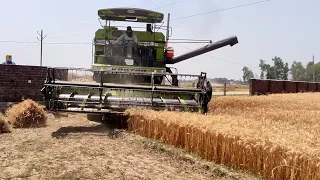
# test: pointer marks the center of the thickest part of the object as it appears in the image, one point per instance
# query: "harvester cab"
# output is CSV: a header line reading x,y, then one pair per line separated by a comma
x,y
141,50
129,70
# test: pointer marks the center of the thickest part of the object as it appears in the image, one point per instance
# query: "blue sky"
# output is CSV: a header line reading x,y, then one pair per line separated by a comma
x,y
285,28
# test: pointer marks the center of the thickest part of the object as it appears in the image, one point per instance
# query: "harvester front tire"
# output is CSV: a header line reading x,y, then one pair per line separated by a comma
x,y
94,117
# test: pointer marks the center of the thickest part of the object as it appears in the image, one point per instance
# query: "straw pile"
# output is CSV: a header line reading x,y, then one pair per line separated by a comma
x,y
5,126
274,136
27,114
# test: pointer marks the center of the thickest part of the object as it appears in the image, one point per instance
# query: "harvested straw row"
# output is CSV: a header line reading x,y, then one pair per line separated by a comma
x,y
206,136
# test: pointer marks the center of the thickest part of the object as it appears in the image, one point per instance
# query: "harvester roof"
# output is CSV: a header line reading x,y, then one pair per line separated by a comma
x,y
130,14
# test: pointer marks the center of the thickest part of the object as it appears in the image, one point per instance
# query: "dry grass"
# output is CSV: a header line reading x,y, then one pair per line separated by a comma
x,y
26,114
5,126
274,136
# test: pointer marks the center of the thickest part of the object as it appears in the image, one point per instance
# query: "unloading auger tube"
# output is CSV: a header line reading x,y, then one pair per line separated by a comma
x,y
210,47
104,97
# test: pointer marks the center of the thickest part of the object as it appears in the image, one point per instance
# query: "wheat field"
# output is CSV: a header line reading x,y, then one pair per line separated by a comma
x,y
275,136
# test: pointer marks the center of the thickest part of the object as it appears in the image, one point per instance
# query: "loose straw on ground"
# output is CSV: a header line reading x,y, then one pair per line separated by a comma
x,y
5,126
27,114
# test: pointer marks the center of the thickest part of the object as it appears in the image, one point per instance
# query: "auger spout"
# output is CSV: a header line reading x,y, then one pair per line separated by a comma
x,y
210,47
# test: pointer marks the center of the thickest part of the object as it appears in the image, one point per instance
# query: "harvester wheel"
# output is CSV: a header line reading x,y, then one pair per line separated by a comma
x,y
94,117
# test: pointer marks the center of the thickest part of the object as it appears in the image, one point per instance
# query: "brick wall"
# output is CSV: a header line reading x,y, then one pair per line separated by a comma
x,y
21,81
24,81
259,86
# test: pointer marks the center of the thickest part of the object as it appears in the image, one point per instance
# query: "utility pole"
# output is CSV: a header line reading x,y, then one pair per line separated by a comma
x,y
168,29
41,44
313,67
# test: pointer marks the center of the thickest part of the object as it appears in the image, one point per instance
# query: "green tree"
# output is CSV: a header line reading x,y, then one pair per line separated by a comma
x,y
279,69
298,71
247,74
286,71
309,71
264,69
271,73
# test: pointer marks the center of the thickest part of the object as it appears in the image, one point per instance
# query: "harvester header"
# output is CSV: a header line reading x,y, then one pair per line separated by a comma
x,y
131,72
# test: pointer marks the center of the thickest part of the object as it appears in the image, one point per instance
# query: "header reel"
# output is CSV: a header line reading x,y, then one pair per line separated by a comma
x,y
88,96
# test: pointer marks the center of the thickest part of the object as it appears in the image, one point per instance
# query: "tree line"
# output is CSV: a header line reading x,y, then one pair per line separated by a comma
x,y
281,70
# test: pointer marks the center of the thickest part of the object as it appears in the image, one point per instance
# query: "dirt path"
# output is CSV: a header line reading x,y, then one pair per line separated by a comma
x,y
73,148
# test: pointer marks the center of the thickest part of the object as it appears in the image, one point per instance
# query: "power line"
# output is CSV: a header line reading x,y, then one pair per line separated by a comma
x,y
184,17
74,29
71,35
249,4
67,43
25,47
19,42
73,22
35,42
84,43
170,4
194,15
141,3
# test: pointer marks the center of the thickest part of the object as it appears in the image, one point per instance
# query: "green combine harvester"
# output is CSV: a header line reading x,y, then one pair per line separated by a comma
x,y
131,73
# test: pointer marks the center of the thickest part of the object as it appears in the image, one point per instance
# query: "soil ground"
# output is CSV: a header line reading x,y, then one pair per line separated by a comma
x,y
74,148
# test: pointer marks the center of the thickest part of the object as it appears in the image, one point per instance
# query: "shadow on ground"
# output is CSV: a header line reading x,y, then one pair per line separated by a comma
x,y
59,115
112,126
99,130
